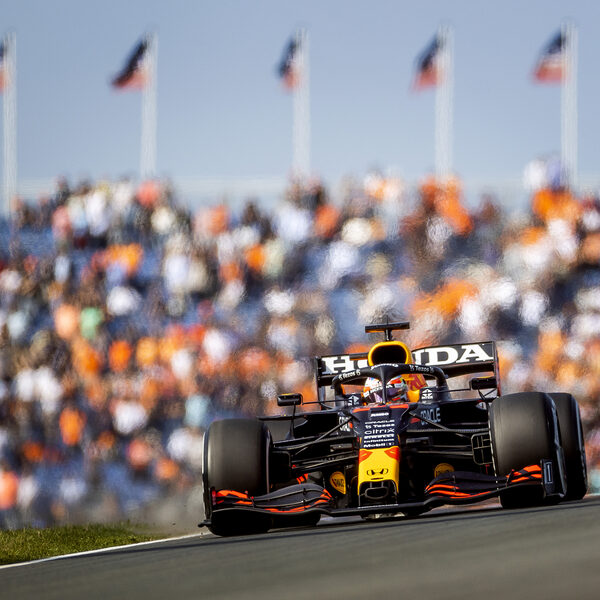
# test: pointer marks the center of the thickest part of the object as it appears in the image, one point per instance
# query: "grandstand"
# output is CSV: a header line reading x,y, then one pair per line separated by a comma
x,y
129,322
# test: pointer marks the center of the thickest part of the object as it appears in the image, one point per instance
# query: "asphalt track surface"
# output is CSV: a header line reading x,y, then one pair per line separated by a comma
x,y
549,552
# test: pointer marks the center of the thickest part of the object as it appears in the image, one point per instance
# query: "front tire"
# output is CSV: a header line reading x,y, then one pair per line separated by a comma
x,y
571,434
524,430
236,457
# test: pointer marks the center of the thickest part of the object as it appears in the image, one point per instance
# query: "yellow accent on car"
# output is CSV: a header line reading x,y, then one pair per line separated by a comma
x,y
389,352
397,352
338,482
379,464
443,468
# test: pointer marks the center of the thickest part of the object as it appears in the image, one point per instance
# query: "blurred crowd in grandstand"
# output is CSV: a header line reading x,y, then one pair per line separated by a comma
x,y
128,322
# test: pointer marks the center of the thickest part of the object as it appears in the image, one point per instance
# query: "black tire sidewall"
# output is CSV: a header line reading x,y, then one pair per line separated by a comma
x,y
236,456
523,430
571,431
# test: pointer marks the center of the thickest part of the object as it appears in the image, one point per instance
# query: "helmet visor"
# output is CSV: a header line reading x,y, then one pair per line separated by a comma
x,y
393,392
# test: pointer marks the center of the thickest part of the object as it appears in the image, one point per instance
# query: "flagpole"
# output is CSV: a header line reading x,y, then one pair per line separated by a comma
x,y
444,106
149,113
301,110
569,106
10,121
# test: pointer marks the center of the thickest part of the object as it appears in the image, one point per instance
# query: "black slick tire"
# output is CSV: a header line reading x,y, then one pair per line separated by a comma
x,y
236,457
571,433
524,430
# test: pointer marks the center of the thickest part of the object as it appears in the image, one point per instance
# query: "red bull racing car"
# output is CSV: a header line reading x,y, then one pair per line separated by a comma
x,y
390,434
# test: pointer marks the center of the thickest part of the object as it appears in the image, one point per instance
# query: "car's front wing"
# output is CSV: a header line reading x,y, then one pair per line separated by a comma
x,y
449,488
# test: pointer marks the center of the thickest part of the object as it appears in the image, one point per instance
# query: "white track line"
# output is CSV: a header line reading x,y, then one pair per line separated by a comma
x,y
101,550
191,535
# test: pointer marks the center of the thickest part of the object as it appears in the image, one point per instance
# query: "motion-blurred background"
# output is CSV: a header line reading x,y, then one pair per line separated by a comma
x,y
200,197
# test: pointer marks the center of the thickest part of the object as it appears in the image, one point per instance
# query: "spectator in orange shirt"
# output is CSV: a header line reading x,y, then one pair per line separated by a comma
x,y
9,487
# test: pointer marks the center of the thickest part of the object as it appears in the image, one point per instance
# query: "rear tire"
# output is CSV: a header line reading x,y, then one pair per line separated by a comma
x,y
571,434
236,457
524,430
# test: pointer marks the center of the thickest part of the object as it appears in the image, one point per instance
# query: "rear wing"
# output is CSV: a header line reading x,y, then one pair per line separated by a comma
x,y
460,359
453,359
327,367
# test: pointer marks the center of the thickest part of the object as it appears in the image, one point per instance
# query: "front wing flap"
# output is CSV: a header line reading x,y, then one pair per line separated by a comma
x,y
459,487
297,498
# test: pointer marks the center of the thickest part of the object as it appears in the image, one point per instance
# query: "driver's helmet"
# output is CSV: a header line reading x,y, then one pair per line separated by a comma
x,y
397,391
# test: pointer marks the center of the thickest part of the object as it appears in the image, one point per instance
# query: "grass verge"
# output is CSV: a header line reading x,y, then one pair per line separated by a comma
x,y
31,544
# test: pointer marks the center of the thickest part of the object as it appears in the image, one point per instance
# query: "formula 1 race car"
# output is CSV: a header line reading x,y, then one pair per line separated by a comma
x,y
380,453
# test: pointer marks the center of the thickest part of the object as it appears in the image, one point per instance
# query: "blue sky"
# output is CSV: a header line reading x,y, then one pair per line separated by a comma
x,y
222,111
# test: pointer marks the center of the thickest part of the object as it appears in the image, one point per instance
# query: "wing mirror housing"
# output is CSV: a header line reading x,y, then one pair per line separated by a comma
x,y
289,399
483,383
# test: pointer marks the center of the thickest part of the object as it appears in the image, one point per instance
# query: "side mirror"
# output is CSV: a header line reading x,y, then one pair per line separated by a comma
x,y
483,383
289,399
